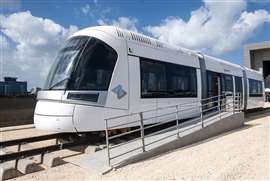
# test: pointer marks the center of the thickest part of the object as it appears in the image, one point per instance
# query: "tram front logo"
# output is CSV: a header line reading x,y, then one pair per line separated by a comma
x,y
119,91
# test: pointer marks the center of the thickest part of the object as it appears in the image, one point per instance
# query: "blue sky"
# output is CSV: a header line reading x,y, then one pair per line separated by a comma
x,y
31,31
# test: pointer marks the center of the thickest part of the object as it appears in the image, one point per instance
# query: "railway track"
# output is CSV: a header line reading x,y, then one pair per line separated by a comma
x,y
31,152
10,161
71,140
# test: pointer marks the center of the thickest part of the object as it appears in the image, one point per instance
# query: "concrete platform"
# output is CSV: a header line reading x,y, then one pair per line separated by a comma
x,y
266,105
188,134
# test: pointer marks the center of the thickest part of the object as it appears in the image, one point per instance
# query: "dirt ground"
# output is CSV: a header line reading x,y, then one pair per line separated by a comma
x,y
16,110
239,154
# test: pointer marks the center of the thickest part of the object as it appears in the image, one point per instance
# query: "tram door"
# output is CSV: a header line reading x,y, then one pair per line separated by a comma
x,y
213,91
239,88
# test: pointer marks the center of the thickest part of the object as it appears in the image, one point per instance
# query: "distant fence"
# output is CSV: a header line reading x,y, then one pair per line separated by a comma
x,y
16,110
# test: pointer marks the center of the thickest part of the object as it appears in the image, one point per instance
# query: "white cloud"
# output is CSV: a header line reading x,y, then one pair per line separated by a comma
x,y
36,41
122,22
95,10
86,9
3,42
218,27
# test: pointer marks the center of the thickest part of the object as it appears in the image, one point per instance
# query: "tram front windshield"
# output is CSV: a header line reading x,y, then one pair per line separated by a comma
x,y
84,63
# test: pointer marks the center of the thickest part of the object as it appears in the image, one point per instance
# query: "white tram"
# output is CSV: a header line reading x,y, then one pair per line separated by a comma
x,y
105,71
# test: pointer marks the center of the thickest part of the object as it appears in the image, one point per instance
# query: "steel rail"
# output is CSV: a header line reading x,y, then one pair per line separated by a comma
x,y
33,139
39,151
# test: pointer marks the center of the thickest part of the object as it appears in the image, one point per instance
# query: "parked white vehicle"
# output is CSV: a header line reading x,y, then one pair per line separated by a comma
x,y
105,71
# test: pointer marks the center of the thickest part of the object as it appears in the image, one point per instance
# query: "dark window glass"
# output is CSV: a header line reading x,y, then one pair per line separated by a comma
x,y
93,97
182,81
239,87
64,62
226,84
238,84
153,79
164,80
95,67
212,84
255,88
84,63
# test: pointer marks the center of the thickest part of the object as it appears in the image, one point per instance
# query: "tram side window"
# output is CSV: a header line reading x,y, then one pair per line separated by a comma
x,y
255,88
182,81
166,80
226,84
153,79
238,84
212,84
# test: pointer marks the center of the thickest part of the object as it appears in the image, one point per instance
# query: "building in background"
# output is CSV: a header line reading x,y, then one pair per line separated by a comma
x,y
11,87
257,57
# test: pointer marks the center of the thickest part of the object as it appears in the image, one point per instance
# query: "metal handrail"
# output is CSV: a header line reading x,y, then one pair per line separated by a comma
x,y
119,135
163,114
123,124
160,131
123,134
223,104
182,109
160,108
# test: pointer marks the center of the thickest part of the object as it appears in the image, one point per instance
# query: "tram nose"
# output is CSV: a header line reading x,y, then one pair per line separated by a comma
x,y
54,116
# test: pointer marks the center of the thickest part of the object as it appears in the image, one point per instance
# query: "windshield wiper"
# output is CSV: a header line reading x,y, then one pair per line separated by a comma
x,y
59,83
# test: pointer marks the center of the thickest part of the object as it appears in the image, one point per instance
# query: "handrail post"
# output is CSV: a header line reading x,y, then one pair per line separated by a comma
x,y
233,101
237,102
177,120
142,131
240,102
202,113
19,146
107,142
219,110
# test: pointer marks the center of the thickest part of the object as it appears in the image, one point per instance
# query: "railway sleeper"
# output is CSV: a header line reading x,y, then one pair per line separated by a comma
x,y
22,166
52,159
17,168
28,159
28,164
8,169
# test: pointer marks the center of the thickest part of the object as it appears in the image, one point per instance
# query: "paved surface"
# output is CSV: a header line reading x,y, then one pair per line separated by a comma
x,y
267,105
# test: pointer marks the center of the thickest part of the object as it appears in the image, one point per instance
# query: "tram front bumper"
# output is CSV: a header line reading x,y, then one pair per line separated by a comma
x,y
54,116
